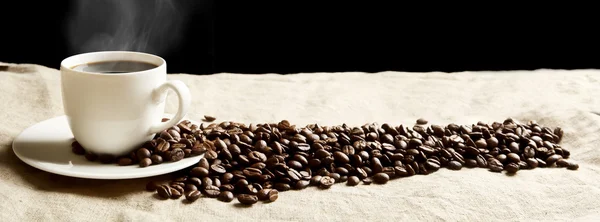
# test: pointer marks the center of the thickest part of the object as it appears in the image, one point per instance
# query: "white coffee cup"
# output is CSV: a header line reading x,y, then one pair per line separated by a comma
x,y
116,113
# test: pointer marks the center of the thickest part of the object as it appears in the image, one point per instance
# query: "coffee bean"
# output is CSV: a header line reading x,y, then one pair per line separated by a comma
x,y
156,159
226,196
209,118
573,166
301,184
195,181
190,187
175,194
552,159
326,182
495,165
367,181
282,186
532,163
142,153
421,121
433,164
124,161
199,172
335,176
454,165
512,168
164,191
562,163
203,163
381,178
218,168
145,162
353,181
206,181
162,146
247,199
295,164
193,195
176,155
212,191
513,157
315,180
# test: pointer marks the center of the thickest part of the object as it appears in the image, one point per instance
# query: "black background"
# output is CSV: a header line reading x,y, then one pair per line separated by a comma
x,y
291,37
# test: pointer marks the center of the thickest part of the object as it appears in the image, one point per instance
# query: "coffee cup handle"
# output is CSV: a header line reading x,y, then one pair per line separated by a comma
x,y
183,92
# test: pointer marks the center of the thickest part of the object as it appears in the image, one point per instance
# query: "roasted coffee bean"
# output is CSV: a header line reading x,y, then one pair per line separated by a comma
x,y
247,199
145,162
156,159
162,146
562,163
193,195
176,154
203,163
335,176
226,196
532,163
217,168
209,118
206,181
282,186
190,187
326,182
199,172
175,193
164,191
295,164
502,158
212,191
195,181
454,165
513,157
315,180
367,181
143,153
433,164
124,161
552,159
471,163
495,165
381,178
301,184
512,168
421,121
573,166
353,181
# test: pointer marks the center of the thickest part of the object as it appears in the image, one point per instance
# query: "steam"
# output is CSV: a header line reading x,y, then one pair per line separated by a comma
x,y
152,26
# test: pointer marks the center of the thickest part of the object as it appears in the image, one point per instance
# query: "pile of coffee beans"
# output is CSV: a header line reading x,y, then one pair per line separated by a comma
x,y
255,162
170,145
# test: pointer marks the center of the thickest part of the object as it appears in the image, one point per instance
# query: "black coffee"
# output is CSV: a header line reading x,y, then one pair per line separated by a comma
x,y
115,67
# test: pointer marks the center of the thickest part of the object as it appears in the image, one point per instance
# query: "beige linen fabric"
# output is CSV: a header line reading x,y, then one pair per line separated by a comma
x,y
31,93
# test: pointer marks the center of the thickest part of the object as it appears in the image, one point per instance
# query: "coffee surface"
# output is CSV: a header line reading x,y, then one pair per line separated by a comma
x,y
115,67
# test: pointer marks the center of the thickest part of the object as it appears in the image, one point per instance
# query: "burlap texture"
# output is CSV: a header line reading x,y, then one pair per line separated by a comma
x,y
570,99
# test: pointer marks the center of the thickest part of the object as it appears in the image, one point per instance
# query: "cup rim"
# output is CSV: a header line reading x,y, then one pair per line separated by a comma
x,y
64,63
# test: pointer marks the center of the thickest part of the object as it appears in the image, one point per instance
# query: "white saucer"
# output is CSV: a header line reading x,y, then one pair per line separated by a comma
x,y
47,146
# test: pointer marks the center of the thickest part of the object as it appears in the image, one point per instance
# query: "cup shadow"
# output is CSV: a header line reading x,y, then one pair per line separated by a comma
x,y
40,180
